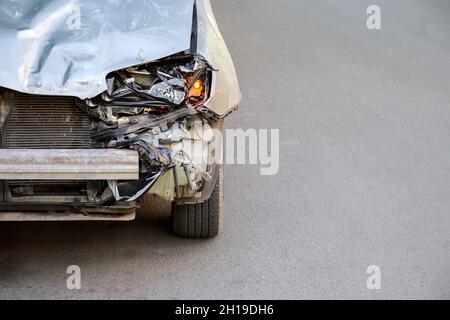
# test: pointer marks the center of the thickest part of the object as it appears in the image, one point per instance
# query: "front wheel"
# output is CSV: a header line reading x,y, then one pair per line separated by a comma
x,y
201,220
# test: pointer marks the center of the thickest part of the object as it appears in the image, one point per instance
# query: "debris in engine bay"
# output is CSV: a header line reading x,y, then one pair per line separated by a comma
x,y
146,107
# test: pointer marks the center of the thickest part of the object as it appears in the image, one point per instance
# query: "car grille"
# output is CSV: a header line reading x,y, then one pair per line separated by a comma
x,y
46,122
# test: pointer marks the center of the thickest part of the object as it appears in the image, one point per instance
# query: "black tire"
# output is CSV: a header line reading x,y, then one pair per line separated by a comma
x,y
201,220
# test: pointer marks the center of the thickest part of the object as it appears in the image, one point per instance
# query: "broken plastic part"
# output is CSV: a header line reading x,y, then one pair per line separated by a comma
x,y
144,186
164,91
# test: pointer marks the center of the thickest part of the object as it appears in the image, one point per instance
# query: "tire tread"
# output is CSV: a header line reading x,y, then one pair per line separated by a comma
x,y
200,220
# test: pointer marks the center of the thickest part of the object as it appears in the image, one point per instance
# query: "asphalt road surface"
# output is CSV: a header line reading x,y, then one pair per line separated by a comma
x,y
364,179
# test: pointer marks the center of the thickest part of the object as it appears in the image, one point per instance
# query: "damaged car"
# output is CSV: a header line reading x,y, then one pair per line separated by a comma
x,y
103,103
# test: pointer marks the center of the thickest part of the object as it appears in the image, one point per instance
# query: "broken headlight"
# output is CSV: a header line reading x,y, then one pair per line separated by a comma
x,y
154,88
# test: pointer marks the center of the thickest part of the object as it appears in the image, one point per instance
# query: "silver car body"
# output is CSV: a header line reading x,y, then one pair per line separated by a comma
x,y
54,52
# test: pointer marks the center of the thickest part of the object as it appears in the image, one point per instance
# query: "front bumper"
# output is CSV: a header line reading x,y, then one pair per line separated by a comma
x,y
83,164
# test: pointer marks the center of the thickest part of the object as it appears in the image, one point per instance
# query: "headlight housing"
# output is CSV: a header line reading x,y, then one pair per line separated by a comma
x,y
157,87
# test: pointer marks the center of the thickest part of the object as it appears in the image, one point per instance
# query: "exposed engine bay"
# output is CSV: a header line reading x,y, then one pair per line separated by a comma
x,y
156,109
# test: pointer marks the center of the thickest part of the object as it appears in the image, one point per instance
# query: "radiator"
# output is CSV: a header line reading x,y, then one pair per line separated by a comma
x,y
46,122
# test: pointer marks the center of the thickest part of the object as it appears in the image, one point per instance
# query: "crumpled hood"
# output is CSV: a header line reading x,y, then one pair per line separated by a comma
x,y
67,47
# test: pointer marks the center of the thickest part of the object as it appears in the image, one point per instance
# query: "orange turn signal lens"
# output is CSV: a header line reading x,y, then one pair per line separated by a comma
x,y
198,85
197,88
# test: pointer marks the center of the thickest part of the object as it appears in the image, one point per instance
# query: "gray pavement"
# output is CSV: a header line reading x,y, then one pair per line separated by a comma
x,y
364,119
